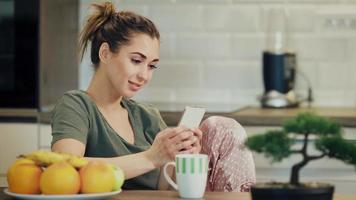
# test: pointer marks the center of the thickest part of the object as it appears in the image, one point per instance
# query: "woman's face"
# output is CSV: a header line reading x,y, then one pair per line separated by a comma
x,y
132,67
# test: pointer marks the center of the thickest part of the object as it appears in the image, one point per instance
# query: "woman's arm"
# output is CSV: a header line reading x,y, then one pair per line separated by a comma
x,y
133,165
166,145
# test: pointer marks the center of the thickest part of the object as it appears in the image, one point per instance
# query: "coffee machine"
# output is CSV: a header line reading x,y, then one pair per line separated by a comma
x,y
279,64
279,71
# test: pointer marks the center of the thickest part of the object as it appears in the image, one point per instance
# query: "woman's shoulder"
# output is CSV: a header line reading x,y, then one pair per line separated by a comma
x,y
74,99
74,96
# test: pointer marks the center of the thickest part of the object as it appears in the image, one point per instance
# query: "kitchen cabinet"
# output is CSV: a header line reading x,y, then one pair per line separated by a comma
x,y
20,138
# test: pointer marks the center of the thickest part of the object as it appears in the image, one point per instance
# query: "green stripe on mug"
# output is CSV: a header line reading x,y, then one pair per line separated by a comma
x,y
192,160
200,165
191,175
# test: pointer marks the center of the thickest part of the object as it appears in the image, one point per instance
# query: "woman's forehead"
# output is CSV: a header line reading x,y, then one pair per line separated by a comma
x,y
144,44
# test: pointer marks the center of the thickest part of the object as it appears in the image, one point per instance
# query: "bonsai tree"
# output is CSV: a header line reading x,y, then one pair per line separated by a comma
x,y
277,144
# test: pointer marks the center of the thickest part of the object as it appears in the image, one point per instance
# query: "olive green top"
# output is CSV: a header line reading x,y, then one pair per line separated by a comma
x,y
76,116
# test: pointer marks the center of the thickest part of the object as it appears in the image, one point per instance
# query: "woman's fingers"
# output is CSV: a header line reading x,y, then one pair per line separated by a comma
x,y
197,132
172,132
185,135
190,151
186,144
177,140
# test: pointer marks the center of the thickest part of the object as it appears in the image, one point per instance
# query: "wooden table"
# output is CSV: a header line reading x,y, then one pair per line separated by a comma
x,y
171,195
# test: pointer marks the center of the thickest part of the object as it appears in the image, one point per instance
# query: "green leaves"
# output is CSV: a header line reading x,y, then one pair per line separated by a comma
x,y
337,147
274,144
277,144
312,124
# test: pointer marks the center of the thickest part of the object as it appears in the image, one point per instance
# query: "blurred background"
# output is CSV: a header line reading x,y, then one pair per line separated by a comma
x,y
211,55
212,50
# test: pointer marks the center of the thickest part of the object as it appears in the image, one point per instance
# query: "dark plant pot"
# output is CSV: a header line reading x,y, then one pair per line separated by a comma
x,y
282,191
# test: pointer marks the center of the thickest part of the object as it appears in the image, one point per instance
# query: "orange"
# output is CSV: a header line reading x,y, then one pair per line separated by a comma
x,y
60,178
97,176
23,177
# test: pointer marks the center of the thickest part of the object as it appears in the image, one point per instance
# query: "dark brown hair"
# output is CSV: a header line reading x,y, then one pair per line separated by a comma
x,y
115,28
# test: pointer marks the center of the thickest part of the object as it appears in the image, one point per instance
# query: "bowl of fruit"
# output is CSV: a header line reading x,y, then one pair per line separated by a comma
x,y
51,175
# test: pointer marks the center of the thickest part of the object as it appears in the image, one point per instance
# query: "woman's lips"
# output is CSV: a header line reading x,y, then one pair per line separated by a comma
x,y
135,86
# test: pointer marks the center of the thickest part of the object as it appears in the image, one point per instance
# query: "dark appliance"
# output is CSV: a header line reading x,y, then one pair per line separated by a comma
x,y
279,63
19,50
279,71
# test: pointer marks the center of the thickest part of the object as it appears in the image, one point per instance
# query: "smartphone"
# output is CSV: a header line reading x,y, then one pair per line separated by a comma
x,y
192,117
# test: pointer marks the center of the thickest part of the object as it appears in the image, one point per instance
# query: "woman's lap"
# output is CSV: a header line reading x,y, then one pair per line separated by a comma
x,y
231,165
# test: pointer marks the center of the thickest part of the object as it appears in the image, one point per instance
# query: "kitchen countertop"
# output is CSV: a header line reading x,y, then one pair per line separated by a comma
x,y
256,116
247,116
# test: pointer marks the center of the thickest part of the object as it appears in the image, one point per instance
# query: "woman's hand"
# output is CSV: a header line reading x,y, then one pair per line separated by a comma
x,y
172,141
197,138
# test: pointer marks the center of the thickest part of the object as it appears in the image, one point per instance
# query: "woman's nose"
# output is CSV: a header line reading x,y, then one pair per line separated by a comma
x,y
143,74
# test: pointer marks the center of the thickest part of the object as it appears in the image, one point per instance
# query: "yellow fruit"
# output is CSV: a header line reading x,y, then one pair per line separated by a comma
x,y
77,161
119,177
23,161
47,158
23,177
96,177
60,178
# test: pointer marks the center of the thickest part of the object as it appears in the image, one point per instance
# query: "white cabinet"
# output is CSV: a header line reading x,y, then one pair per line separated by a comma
x,y
324,170
20,138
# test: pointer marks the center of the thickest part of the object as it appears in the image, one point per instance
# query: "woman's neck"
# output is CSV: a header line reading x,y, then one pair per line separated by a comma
x,y
102,92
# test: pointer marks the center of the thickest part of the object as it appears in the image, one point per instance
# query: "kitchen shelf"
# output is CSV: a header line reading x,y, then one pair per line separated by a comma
x,y
255,116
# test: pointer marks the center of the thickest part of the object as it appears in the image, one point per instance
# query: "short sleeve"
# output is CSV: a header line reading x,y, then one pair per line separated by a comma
x,y
70,119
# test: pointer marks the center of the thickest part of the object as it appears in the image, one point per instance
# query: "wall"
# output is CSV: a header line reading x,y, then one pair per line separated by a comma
x,y
211,50
58,57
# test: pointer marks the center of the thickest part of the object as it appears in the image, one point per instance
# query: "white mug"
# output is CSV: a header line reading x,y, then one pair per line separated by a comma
x,y
191,174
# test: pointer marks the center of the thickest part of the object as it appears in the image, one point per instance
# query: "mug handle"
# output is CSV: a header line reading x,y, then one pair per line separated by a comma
x,y
168,178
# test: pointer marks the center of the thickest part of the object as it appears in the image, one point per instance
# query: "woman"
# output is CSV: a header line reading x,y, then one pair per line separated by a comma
x,y
103,123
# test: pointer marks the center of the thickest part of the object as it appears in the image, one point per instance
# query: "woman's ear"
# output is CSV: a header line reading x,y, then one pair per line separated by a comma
x,y
104,52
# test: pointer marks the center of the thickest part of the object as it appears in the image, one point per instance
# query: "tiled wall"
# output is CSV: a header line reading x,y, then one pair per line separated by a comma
x,y
211,50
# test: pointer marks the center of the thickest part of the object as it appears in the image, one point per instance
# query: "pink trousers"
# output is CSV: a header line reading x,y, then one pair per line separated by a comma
x,y
231,165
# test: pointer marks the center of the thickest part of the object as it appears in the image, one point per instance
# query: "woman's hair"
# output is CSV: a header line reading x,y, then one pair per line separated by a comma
x,y
114,28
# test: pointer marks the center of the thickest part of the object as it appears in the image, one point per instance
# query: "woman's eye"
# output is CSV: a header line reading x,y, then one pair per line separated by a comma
x,y
153,66
135,61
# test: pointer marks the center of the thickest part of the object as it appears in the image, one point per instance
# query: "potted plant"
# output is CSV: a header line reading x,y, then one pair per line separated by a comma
x,y
278,144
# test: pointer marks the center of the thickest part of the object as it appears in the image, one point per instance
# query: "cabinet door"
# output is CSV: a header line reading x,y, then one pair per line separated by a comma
x,y
16,139
45,137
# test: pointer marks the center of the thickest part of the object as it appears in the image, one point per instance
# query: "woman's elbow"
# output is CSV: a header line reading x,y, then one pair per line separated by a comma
x,y
70,146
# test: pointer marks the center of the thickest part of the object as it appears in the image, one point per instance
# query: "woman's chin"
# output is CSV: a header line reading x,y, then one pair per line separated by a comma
x,y
129,94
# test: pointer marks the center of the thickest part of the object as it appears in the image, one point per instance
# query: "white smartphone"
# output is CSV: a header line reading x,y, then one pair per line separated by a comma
x,y
192,117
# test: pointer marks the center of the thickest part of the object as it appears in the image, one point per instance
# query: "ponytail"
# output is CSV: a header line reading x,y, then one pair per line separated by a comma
x,y
95,21
115,28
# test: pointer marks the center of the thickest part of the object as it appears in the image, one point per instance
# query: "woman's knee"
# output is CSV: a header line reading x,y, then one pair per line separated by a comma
x,y
217,121
223,125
